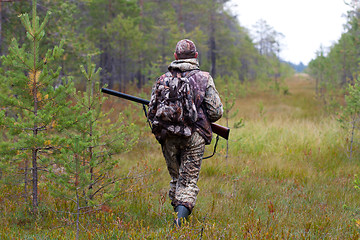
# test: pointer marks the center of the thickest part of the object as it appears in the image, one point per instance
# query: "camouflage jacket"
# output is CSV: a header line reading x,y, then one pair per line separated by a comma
x,y
207,100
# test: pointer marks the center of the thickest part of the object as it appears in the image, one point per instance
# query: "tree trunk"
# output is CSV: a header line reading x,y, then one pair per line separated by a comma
x,y
353,127
139,75
26,179
77,214
35,152
343,80
35,181
91,147
35,129
212,42
181,24
0,29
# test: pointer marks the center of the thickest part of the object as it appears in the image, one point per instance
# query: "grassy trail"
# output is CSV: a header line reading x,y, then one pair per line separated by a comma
x,y
287,177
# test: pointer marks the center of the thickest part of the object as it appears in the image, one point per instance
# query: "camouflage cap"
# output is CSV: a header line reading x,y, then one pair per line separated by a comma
x,y
185,49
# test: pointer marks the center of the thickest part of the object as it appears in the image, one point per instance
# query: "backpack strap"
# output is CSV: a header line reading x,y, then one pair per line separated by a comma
x,y
187,73
190,73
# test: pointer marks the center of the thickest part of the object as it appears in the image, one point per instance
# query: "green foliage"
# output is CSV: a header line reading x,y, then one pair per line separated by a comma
x,y
230,89
32,104
334,69
133,41
353,99
261,110
350,118
84,171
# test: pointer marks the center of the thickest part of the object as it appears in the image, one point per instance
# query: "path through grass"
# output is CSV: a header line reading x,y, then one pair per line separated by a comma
x,y
287,177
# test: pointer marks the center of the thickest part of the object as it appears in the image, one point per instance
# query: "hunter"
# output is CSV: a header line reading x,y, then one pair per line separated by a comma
x,y
184,101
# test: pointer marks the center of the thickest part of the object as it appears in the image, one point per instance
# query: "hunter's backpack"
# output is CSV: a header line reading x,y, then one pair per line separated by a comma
x,y
172,109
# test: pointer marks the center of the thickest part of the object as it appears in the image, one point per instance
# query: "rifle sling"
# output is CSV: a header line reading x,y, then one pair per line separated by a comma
x,y
217,139
146,115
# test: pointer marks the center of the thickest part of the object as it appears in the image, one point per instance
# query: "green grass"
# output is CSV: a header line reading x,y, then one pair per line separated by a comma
x,y
287,177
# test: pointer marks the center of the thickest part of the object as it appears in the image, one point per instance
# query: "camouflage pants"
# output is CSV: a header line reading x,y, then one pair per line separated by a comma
x,y
183,158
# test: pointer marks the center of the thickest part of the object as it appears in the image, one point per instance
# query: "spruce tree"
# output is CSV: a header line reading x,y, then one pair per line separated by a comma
x,y
31,106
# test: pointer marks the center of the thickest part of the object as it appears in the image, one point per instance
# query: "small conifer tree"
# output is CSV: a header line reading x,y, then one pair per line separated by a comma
x,y
350,118
229,100
31,105
85,173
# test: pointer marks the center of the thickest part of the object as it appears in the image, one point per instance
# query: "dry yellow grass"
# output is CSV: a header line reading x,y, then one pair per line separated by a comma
x,y
287,177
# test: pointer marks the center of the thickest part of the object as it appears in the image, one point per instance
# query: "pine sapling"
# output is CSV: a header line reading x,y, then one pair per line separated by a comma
x,y
229,100
350,119
31,105
88,179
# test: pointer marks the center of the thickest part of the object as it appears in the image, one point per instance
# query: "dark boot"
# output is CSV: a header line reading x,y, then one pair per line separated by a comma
x,y
182,215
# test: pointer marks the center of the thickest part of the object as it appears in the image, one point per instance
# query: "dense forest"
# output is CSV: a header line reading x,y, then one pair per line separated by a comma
x,y
133,40
337,66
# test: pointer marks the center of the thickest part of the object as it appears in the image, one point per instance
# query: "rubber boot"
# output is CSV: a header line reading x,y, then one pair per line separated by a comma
x,y
182,215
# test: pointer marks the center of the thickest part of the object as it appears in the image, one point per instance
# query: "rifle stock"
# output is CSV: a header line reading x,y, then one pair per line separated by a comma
x,y
220,130
216,128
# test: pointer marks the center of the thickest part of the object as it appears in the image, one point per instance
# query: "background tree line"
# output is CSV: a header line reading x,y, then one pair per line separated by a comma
x,y
336,72
133,40
336,67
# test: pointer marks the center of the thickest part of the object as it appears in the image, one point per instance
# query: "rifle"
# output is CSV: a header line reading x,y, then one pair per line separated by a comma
x,y
216,128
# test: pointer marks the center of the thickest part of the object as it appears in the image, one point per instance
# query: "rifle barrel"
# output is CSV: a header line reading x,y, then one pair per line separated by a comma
x,y
125,96
218,129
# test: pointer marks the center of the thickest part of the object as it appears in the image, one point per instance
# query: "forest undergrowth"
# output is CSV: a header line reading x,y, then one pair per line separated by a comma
x,y
287,176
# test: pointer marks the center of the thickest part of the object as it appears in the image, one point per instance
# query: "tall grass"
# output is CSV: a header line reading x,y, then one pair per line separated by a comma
x,y
287,177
